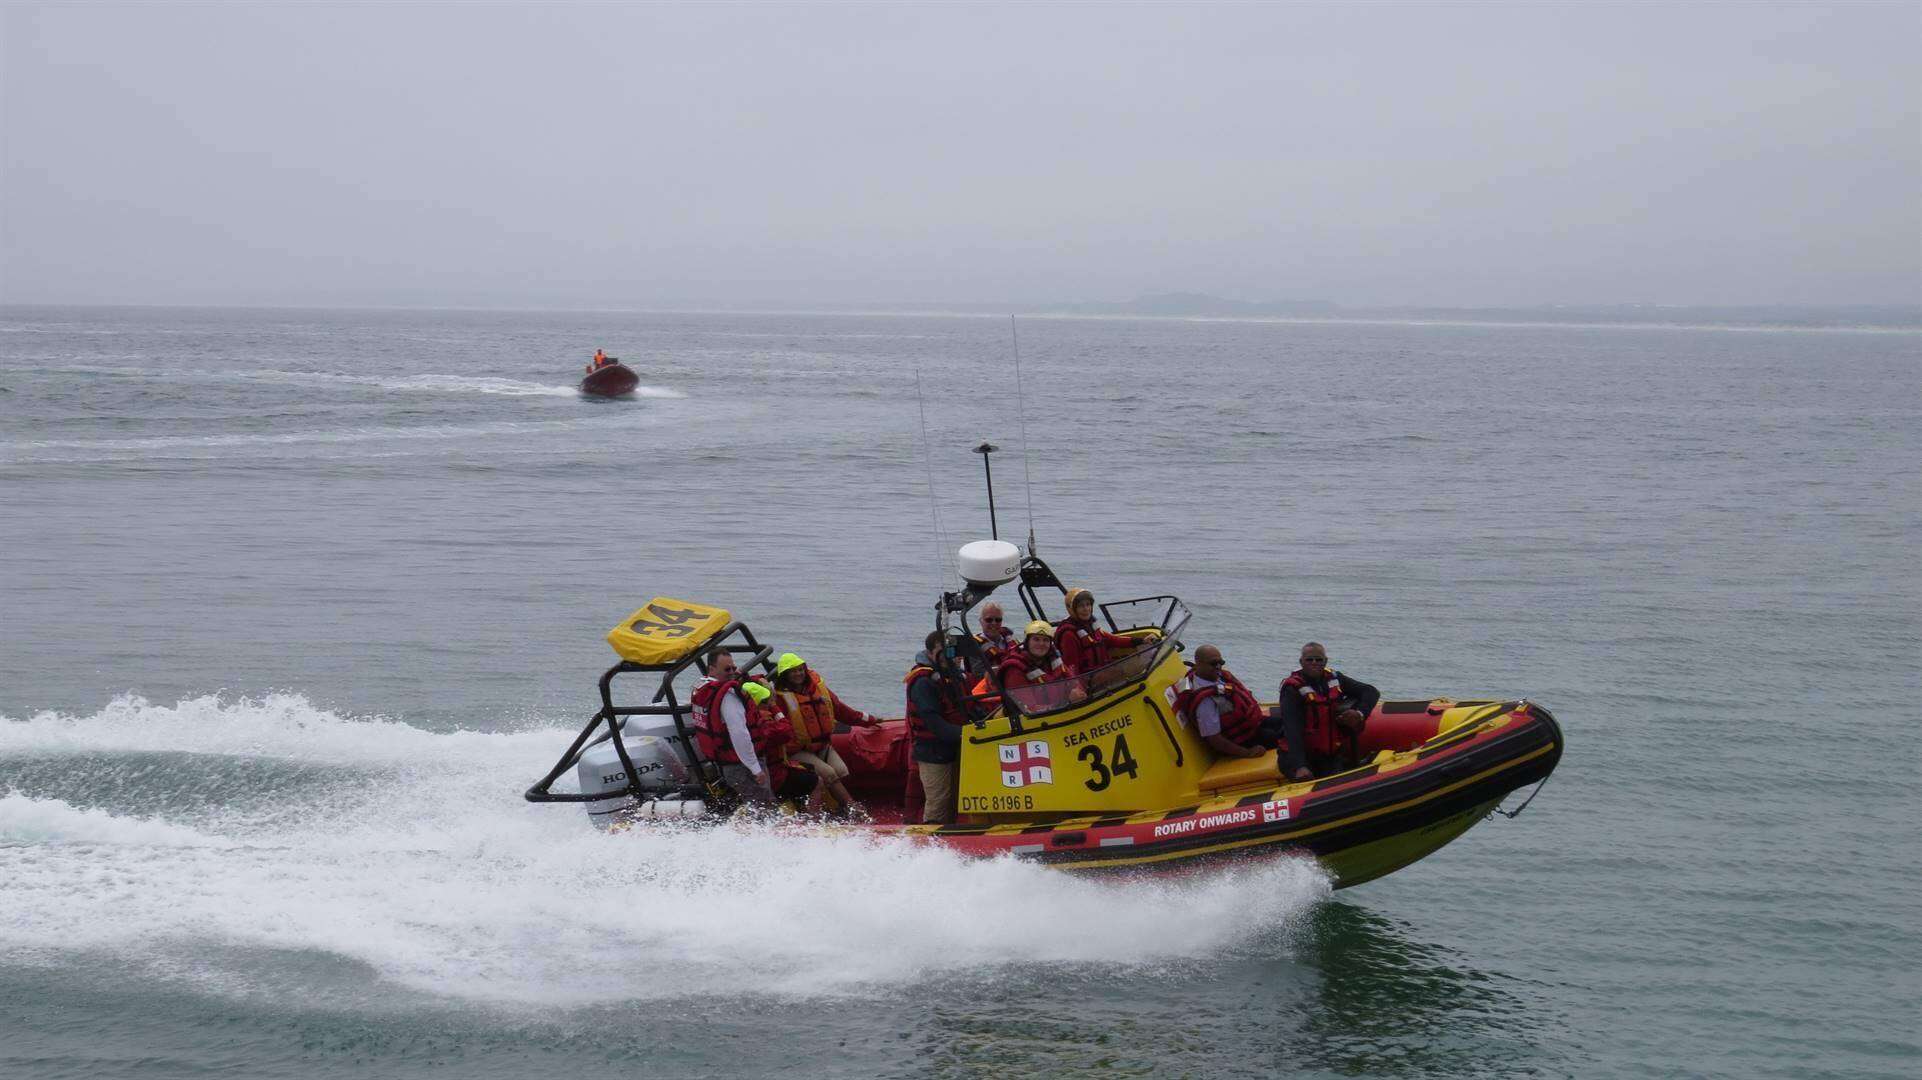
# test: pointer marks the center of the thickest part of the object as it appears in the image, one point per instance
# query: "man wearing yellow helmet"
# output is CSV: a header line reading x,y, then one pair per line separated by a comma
x,y
814,710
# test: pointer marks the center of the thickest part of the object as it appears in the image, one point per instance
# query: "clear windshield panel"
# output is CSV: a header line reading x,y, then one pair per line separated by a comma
x,y
1140,614
1053,696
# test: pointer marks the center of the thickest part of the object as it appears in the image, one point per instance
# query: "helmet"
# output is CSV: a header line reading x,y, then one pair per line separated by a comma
x,y
787,663
756,691
1039,627
1075,596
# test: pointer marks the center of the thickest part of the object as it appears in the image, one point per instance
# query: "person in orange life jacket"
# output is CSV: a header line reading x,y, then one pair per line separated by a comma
x,y
1085,646
936,712
1224,712
736,732
599,362
1036,662
1322,713
813,710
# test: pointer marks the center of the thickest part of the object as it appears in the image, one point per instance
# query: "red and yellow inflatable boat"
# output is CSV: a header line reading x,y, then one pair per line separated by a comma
x,y
1105,778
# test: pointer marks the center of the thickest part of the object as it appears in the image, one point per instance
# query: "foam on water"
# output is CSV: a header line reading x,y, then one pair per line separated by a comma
x,y
436,876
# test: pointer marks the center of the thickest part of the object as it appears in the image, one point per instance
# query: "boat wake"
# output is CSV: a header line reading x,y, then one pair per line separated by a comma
x,y
206,841
421,383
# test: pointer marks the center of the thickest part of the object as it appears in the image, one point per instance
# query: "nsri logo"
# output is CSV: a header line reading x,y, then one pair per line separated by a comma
x,y
1276,810
1026,763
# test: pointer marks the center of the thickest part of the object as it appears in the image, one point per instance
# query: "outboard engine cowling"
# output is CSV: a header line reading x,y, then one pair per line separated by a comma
x,y
653,746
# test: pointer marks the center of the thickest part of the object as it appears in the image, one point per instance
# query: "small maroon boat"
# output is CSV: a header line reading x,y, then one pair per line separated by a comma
x,y
610,379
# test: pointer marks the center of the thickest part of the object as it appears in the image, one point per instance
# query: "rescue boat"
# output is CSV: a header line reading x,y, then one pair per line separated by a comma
x,y
611,379
1096,773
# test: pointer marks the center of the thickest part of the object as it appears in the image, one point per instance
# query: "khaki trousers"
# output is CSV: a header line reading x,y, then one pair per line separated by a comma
x,y
937,783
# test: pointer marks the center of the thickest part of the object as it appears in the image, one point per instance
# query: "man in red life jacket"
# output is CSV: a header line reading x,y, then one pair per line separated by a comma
x,y
1085,646
936,714
743,737
1322,713
997,641
1223,711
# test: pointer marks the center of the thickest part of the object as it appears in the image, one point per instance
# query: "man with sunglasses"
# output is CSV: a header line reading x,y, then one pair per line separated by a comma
x,y
997,641
1322,713
1223,711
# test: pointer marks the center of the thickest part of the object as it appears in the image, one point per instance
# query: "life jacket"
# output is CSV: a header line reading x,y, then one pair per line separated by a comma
x,y
768,729
997,649
1319,709
1092,646
1240,713
951,709
1033,671
811,712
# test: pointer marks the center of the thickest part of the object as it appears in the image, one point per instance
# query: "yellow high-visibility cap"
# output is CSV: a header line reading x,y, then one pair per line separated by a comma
x,y
1040,627
788,662
756,691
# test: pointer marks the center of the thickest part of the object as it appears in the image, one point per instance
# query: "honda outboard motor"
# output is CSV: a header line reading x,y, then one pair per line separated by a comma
x,y
654,747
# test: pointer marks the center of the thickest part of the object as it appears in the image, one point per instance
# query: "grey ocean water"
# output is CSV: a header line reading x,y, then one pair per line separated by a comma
x,y
294,604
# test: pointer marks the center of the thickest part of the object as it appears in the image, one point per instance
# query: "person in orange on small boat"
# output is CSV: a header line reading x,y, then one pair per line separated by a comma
x,y
813,710
1036,662
1084,645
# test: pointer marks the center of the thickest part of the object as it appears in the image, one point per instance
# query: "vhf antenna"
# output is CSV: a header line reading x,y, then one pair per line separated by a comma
x,y
984,450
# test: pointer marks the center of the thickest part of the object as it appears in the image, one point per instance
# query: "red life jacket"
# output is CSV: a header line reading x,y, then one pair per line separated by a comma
x,y
1020,668
1086,645
951,710
767,728
997,649
1319,709
1240,713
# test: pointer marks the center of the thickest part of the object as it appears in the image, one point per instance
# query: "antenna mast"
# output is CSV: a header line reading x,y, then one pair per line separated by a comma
x,y
984,450
1021,414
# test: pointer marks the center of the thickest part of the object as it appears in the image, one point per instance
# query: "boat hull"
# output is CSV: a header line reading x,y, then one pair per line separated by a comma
x,y
1360,824
614,380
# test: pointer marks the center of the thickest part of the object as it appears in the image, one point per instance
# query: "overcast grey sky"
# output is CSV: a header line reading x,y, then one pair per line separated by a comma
x,y
663,155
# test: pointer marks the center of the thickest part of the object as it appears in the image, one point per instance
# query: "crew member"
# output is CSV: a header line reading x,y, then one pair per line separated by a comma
x,y
1085,646
997,641
599,362
813,710
1322,713
1036,662
741,736
1223,711
936,714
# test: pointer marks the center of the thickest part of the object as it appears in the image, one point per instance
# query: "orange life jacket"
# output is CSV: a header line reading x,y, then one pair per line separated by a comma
x,y
1240,713
811,711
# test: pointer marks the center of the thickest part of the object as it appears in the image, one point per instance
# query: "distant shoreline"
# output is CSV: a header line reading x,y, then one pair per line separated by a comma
x,y
1848,319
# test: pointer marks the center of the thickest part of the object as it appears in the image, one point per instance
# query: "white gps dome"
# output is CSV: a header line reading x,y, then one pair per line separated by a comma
x,y
987,563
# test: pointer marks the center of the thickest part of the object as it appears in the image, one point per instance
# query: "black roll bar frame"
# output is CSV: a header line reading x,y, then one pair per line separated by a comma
x,y
609,714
